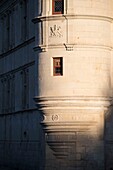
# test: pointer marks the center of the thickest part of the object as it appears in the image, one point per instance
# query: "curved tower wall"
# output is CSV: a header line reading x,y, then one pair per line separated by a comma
x,y
83,38
74,104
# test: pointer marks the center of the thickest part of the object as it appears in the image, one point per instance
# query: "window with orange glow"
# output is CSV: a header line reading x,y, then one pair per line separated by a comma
x,y
58,66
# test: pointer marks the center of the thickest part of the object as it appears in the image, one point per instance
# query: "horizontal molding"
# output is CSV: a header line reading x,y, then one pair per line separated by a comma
x,y
19,112
73,102
18,69
17,47
71,47
71,16
72,126
73,97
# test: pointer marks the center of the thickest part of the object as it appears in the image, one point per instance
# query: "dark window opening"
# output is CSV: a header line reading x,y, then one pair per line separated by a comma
x,y
57,6
58,66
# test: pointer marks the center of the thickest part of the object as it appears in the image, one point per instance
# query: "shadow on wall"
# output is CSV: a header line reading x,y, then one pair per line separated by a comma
x,y
83,149
109,139
85,153
23,142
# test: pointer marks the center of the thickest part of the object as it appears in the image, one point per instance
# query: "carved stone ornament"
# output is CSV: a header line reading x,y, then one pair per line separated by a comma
x,y
55,117
55,31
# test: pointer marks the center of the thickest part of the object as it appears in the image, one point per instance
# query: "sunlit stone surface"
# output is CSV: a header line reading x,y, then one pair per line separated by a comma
x,y
76,105
56,84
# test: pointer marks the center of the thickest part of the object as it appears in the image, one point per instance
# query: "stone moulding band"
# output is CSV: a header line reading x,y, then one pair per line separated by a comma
x,y
63,17
69,127
71,47
65,122
68,101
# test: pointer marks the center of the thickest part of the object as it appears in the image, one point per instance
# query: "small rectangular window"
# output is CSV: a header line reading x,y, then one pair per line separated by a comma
x,y
57,6
58,66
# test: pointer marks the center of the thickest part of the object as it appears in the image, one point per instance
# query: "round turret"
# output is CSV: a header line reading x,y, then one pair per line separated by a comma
x,y
74,44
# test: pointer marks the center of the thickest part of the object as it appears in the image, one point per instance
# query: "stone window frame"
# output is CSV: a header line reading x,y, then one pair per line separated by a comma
x,y
57,65
53,7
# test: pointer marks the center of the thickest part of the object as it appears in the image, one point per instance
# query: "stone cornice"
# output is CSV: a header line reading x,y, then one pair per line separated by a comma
x,y
63,17
64,118
27,42
71,47
73,102
15,70
19,112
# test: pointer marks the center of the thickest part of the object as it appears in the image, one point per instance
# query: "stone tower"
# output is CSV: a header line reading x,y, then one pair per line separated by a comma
x,y
74,42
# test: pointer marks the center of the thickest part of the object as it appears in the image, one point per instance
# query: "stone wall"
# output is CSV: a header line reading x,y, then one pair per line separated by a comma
x,y
75,104
21,134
